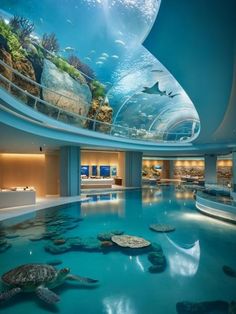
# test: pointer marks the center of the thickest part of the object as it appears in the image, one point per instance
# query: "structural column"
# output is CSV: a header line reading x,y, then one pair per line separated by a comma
x,y
172,169
210,169
234,173
133,169
69,171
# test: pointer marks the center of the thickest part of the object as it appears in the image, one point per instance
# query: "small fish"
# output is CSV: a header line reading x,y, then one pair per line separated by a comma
x,y
69,49
120,42
106,55
92,51
69,21
115,57
102,58
99,62
41,20
172,95
159,71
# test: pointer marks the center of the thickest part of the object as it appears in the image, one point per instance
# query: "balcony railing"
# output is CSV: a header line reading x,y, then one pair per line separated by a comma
x,y
75,119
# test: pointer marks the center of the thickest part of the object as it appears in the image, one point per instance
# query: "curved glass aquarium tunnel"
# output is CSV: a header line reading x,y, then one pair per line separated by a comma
x,y
83,62
190,269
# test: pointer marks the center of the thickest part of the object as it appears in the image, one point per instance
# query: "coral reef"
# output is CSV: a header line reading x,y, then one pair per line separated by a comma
x,y
98,90
24,67
102,112
84,68
13,43
50,42
38,61
22,27
7,73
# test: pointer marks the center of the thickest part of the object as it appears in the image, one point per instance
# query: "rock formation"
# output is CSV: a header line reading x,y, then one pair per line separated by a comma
x,y
76,96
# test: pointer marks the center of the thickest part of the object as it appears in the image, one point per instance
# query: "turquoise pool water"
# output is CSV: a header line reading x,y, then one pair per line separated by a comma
x,y
195,253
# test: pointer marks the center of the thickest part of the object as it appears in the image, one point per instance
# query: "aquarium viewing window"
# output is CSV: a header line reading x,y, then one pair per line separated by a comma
x,y
105,171
107,80
85,170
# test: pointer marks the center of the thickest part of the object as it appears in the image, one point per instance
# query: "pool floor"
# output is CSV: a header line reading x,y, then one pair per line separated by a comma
x,y
195,254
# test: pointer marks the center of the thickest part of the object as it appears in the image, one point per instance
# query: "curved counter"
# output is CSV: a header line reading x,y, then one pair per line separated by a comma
x,y
220,210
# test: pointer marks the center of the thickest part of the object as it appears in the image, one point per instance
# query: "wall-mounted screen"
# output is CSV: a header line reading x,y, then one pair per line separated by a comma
x,y
113,171
84,170
94,170
105,171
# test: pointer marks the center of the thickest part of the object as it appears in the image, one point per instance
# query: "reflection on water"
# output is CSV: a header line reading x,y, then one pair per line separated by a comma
x,y
184,195
151,195
110,203
184,260
118,305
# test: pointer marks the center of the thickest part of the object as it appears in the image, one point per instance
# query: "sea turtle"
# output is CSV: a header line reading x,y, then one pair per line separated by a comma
x,y
39,278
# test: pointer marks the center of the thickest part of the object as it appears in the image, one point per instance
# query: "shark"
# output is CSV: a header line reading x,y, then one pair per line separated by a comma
x,y
155,89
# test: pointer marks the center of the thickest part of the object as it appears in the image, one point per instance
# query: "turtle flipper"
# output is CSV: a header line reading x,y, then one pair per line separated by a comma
x,y
47,295
80,279
6,295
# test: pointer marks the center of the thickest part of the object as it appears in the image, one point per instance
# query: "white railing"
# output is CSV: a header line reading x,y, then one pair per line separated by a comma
x,y
81,121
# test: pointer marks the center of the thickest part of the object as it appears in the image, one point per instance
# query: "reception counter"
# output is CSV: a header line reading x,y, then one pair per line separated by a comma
x,y
96,183
16,198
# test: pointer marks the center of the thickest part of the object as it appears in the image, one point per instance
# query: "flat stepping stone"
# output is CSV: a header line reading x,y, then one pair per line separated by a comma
x,y
161,228
132,242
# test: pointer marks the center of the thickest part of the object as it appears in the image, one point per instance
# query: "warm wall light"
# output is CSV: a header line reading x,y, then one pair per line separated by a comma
x,y
23,156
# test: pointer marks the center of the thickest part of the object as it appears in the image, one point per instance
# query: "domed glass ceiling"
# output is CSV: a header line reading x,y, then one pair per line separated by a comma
x,y
107,36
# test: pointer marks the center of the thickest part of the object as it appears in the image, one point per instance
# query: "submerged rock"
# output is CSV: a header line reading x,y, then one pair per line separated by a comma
x,y
7,73
161,228
232,307
57,249
59,241
24,66
91,243
106,236
77,95
156,247
12,236
158,261
130,241
229,271
106,244
208,307
5,247
75,242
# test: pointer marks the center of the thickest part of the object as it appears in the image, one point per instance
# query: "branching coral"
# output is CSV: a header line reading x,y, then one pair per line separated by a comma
x,y
50,42
82,67
13,42
22,27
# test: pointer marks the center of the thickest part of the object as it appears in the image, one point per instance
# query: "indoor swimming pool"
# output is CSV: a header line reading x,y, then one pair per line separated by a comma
x,y
187,264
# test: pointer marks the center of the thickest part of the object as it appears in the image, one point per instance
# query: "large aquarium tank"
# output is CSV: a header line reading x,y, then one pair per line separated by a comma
x,y
85,64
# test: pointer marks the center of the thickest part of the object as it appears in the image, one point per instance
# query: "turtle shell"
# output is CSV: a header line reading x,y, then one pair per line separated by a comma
x,y
30,275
